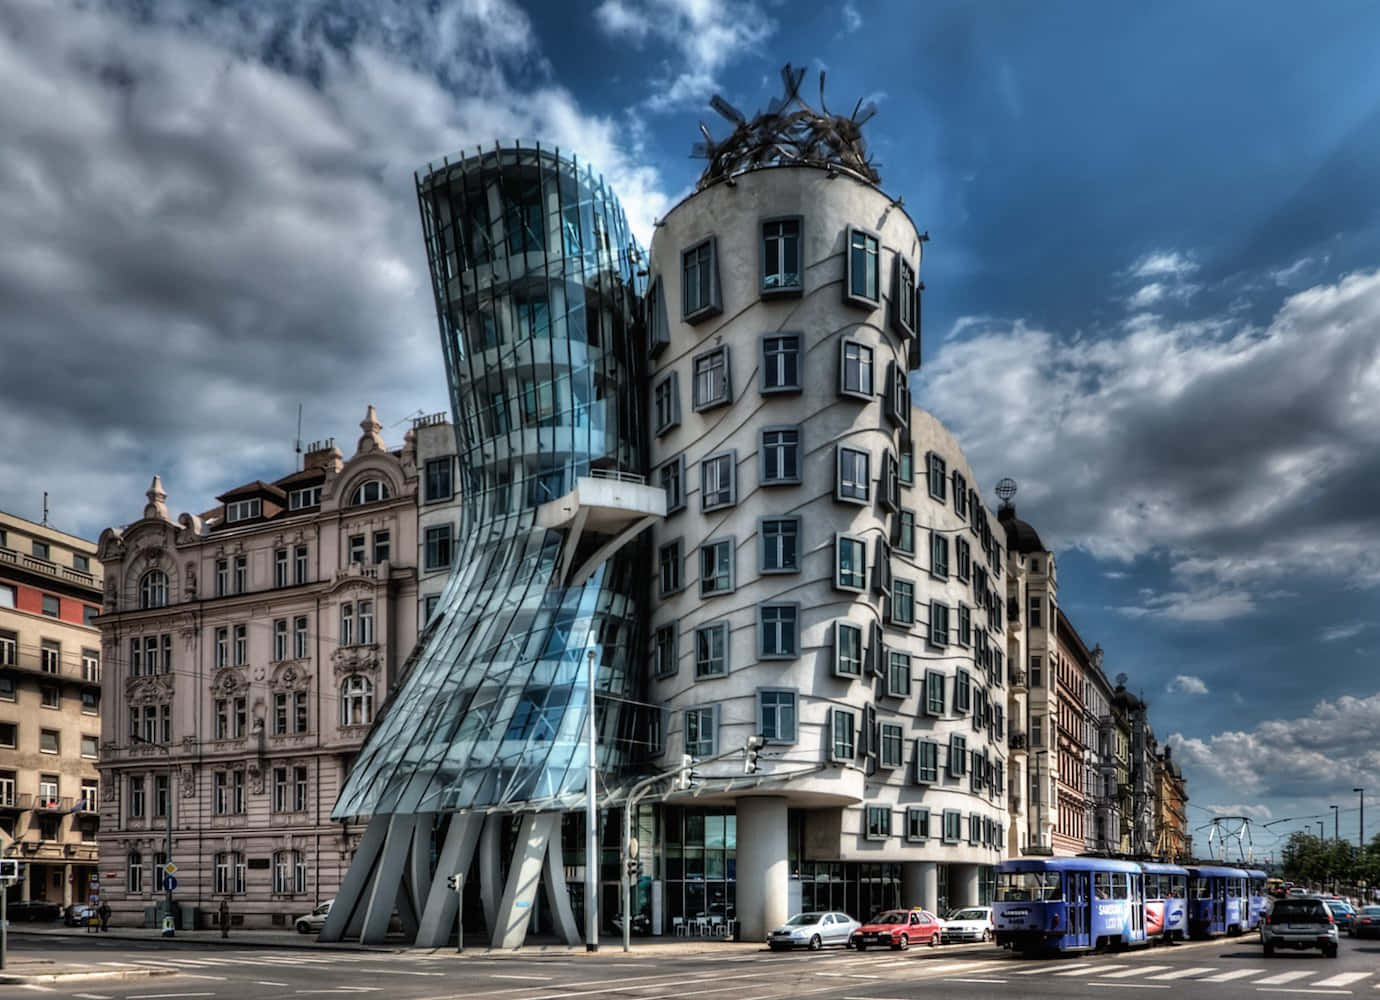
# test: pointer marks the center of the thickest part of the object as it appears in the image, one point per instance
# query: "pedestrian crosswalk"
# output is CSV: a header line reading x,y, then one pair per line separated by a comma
x,y
173,961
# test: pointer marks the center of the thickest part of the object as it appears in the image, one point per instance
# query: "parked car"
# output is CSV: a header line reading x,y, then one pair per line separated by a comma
x,y
1342,912
311,923
899,929
813,931
1367,922
78,915
35,910
1299,922
972,923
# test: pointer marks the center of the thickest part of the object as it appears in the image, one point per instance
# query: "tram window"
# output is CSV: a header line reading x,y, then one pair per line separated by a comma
x,y
1178,886
1024,887
1152,887
1121,885
1201,888
1102,885
1233,887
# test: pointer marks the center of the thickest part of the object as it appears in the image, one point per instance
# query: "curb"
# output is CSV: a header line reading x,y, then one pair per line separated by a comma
x,y
299,943
78,977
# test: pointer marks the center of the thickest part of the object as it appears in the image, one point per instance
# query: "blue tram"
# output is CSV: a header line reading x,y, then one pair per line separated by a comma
x,y
1260,899
1218,901
1069,904
1166,901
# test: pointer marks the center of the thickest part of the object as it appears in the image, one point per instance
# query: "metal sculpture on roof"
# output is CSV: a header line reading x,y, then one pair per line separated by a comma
x,y
789,131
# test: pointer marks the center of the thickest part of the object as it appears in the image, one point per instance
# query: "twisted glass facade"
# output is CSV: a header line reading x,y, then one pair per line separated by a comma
x,y
535,277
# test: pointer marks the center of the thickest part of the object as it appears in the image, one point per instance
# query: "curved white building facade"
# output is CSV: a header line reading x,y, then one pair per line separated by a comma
x,y
827,577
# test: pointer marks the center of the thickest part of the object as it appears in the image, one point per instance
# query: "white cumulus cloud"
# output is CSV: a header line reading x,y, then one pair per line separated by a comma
x,y
1186,684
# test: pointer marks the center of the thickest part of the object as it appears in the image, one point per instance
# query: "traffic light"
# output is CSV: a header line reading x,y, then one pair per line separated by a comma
x,y
750,751
683,778
9,870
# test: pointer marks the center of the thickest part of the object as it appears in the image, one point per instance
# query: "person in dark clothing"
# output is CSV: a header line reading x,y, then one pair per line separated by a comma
x,y
104,914
224,917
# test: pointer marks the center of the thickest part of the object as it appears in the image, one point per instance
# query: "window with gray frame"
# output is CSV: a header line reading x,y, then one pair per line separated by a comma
x,y
965,625
664,650
903,603
669,561
438,484
855,369
878,822
712,384
974,828
960,495
939,555
843,741
963,559
666,403
700,282
897,395
889,745
850,563
711,650
776,715
935,471
934,693
778,627
848,649
717,486
926,762
439,551
780,455
897,673
781,252
716,568
963,692
953,826
917,824
958,755
854,475
781,363
906,461
889,491
672,476
863,285
905,532
939,624
658,327
780,545
903,309
700,736
881,565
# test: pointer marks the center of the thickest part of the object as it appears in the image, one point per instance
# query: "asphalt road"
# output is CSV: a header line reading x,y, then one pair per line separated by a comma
x,y
1217,970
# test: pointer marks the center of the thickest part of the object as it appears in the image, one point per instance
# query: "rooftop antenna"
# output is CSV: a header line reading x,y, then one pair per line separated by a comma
x,y
45,508
297,442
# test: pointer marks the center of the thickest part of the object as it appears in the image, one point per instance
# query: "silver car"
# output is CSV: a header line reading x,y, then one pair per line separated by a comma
x,y
813,931
1299,922
311,923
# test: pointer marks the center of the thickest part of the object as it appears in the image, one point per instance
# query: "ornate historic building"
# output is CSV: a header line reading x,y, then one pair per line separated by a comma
x,y
50,708
246,652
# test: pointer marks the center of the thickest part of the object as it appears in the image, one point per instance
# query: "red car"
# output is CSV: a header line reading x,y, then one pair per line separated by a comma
x,y
899,929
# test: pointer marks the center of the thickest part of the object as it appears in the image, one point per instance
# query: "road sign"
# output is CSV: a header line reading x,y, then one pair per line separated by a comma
x,y
170,868
169,883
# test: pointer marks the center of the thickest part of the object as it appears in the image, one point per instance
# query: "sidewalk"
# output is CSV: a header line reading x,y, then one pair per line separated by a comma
x,y
237,938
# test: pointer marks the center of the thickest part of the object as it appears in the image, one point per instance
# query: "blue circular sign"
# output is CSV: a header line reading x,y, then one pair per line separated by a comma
x,y
169,883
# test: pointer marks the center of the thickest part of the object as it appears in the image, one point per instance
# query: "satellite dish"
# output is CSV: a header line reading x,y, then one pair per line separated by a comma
x,y
1006,489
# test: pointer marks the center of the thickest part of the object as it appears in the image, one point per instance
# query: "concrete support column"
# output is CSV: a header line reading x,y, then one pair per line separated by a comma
x,y
67,885
763,891
963,885
920,884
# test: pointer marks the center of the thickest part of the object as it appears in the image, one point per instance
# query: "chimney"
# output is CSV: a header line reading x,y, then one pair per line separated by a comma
x,y
323,455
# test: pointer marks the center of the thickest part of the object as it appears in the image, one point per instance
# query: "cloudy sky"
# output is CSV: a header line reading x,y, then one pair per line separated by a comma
x,y
1157,224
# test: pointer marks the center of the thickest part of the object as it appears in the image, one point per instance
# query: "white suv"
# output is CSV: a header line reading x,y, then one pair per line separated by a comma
x,y
1299,922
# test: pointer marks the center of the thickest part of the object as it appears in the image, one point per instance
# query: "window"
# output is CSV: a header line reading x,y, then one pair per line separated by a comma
x,y
1036,672
711,650
356,701
658,327
370,491
664,650
780,364
878,822
855,370
717,486
299,788
309,496
963,556
713,384
953,826
939,555
917,824
842,735
222,577
431,602
669,561
241,574
960,495
939,624
848,649
9,735
382,546
958,755
299,563
437,478
965,625
897,395
897,674
926,762
778,631
89,615
241,717
935,475
222,719
136,797
299,711
222,650
438,546
1036,616
974,828
850,563
299,637
934,693
280,639
780,455
781,271
280,567
41,550
50,696
889,489
134,872
161,798
356,547
365,612
242,510
963,692
780,545
903,603
854,476
776,715
50,656
49,741
673,482
1037,731
347,624
907,463
229,873
700,282
699,732
241,633
904,540
289,873
153,589
90,747
666,403
889,749
903,308
863,286
716,568
9,649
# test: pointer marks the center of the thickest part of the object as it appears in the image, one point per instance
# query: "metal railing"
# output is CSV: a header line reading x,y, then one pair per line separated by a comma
x,y
618,476
54,803
47,567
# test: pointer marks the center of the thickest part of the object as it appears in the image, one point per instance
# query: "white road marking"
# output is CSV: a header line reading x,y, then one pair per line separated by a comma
x,y
265,982
1134,971
1342,979
165,996
1283,977
91,996
1184,973
499,975
1054,968
1226,977
975,980
1080,972
1129,986
1303,989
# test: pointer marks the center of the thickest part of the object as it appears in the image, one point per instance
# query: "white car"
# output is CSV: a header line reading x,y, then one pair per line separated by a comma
x,y
971,923
312,922
813,931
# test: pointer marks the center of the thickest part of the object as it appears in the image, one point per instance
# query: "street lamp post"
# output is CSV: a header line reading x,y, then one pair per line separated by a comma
x,y
591,824
1361,829
169,930
1336,823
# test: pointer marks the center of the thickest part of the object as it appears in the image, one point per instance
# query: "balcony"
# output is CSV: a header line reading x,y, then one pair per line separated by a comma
x,y
17,802
54,804
1016,678
48,568
1016,741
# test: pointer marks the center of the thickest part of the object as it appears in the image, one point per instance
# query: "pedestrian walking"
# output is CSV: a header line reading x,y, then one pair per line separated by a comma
x,y
224,917
104,914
